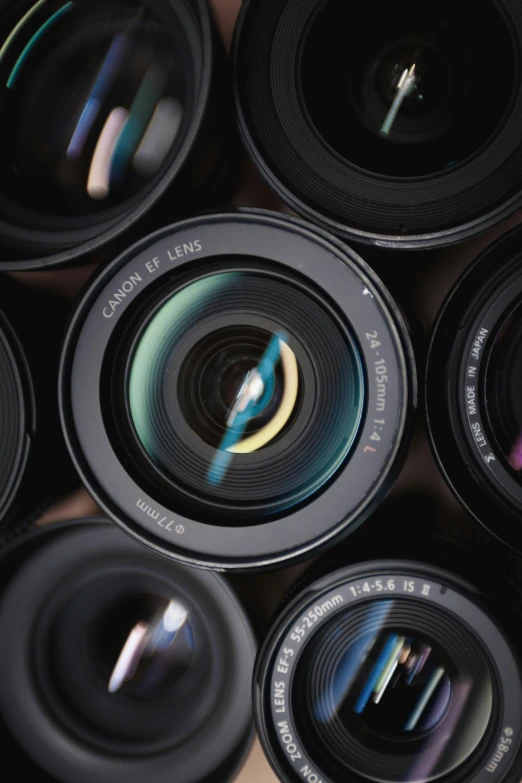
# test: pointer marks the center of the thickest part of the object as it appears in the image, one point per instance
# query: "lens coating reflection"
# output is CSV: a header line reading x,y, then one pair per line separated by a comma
x,y
392,692
400,91
231,391
104,80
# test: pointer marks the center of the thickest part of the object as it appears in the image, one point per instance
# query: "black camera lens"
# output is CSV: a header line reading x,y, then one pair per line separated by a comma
x,y
389,672
123,91
29,422
474,409
237,389
376,123
121,665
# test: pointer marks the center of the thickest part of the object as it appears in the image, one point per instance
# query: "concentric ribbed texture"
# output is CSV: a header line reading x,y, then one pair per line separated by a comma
x,y
11,419
309,452
466,724
271,102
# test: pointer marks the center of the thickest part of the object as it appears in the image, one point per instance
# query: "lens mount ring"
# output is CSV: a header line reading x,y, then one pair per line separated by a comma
x,y
459,355
48,557
319,183
66,247
320,261
351,587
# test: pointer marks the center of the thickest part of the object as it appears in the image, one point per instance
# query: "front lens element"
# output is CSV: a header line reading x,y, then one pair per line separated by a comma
x,y
233,397
384,697
92,96
403,94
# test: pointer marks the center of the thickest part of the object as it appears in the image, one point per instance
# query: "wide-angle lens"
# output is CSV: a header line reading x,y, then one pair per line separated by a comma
x,y
385,672
29,424
377,124
120,90
247,406
475,368
121,665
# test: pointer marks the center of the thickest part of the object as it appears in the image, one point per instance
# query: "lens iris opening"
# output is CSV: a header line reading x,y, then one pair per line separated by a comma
x,y
391,692
96,95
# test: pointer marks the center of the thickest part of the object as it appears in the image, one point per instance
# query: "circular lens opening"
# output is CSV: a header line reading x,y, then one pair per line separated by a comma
x,y
243,392
390,691
93,96
401,91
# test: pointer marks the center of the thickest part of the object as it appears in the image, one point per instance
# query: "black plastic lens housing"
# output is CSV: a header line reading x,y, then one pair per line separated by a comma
x,y
472,392
237,390
377,123
122,665
142,131
34,465
389,671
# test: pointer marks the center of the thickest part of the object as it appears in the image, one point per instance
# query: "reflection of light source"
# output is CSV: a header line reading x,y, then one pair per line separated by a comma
x,y
252,398
405,87
145,640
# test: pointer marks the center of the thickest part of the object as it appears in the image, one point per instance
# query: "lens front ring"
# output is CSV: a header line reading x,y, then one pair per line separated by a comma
x,y
279,658
290,244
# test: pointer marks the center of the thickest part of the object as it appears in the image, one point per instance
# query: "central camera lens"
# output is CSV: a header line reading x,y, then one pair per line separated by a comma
x,y
388,672
101,137
376,122
249,387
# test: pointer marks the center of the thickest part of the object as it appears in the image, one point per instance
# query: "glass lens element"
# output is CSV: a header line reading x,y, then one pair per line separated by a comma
x,y
503,400
393,693
400,91
92,96
232,393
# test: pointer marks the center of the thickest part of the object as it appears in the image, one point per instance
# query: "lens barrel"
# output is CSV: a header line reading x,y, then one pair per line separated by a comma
x,y
377,124
473,376
117,665
237,390
30,332
389,670
141,133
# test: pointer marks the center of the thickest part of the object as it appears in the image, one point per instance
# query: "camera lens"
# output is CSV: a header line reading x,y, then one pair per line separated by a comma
x,y
121,665
474,366
29,423
388,672
376,124
237,389
109,141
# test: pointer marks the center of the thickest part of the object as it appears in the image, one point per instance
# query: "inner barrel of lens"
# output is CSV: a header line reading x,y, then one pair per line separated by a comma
x,y
244,392
401,93
94,97
391,691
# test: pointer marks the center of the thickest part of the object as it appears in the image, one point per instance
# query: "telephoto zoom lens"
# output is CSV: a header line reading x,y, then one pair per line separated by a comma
x,y
111,108
473,401
390,671
34,465
117,665
237,390
385,124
